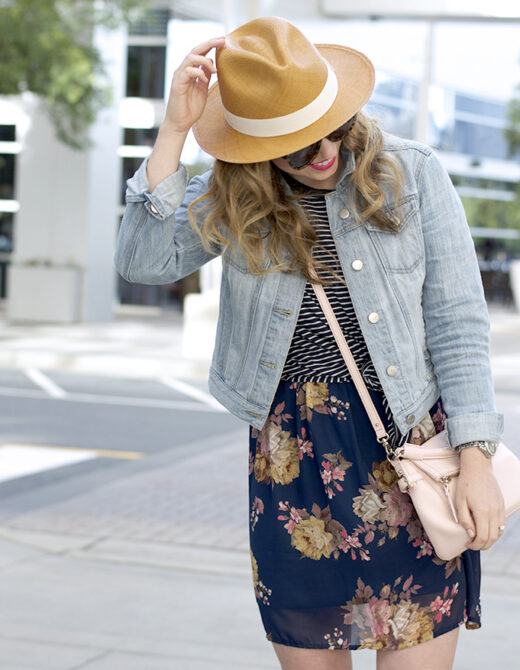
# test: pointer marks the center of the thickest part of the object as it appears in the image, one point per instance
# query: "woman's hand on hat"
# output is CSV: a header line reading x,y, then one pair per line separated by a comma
x,y
189,88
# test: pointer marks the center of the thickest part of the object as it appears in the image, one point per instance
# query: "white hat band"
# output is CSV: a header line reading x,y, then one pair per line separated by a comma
x,y
290,123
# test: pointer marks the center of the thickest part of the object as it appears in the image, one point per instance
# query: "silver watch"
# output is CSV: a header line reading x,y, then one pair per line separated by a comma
x,y
487,447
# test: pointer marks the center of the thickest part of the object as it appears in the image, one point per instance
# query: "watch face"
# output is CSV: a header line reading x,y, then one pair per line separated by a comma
x,y
492,446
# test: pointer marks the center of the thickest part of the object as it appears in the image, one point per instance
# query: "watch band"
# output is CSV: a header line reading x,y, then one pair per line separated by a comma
x,y
486,446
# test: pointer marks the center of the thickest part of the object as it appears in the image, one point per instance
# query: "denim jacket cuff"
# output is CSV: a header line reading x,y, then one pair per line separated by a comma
x,y
167,196
478,426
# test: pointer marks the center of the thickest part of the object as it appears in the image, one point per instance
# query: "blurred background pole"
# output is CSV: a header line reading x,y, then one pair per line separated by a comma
x,y
422,121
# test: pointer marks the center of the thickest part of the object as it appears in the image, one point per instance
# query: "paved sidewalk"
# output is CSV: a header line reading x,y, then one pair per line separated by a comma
x,y
151,571
139,342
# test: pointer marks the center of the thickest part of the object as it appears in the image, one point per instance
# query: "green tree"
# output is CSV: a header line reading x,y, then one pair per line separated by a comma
x,y
513,130
46,48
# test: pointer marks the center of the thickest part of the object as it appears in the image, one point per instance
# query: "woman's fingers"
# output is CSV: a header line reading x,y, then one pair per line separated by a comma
x,y
496,521
481,538
203,61
197,65
192,66
197,73
494,533
189,87
488,522
466,520
480,498
204,47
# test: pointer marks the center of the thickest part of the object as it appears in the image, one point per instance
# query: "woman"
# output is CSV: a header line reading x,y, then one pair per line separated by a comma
x,y
339,558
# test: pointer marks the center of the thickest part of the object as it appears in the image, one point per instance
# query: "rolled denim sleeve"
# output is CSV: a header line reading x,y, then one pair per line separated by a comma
x,y
156,243
455,311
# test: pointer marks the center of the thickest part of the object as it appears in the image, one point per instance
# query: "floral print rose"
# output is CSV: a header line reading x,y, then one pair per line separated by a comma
x,y
391,620
284,455
311,539
318,535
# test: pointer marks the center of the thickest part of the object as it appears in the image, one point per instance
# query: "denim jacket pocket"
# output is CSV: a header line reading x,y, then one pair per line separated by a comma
x,y
401,251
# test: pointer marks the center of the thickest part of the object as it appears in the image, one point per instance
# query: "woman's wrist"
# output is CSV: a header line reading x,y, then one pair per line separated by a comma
x,y
169,128
165,157
487,447
474,457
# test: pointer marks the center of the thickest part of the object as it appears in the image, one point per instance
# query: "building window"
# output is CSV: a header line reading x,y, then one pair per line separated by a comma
x,y
399,89
6,232
393,118
394,104
146,71
140,137
7,176
7,161
7,133
495,110
153,23
474,139
6,246
8,151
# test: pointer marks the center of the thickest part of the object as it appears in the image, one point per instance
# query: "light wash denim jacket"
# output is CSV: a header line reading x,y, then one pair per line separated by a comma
x,y
417,294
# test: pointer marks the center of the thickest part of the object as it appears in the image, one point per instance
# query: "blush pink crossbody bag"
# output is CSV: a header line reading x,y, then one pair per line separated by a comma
x,y
428,472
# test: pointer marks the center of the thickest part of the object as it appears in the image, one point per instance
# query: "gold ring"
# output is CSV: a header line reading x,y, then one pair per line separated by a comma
x,y
501,528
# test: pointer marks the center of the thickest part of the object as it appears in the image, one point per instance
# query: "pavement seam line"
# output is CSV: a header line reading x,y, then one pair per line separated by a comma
x,y
44,382
193,391
101,453
92,398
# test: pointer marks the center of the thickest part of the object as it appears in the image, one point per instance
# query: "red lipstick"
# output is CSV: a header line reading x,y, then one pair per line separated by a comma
x,y
322,165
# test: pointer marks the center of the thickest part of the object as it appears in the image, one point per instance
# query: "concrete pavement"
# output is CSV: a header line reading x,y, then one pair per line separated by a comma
x,y
140,342
150,571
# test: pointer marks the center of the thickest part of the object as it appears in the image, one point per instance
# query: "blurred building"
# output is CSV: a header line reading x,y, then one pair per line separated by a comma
x,y
59,210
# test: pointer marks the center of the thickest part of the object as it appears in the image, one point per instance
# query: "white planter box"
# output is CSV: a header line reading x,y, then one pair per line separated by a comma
x,y
40,293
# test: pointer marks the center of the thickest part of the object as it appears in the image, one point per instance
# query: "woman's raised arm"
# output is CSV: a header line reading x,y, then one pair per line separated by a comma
x,y
186,102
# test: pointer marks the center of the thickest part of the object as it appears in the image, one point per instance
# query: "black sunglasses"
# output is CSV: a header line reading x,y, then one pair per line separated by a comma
x,y
304,157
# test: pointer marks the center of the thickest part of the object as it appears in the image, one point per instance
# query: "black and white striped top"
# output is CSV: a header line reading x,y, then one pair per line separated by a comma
x,y
313,353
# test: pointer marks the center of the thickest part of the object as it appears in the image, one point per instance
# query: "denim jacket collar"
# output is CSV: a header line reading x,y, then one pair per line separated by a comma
x,y
349,164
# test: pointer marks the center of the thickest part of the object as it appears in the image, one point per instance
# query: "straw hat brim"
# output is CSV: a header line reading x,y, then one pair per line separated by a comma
x,y
356,78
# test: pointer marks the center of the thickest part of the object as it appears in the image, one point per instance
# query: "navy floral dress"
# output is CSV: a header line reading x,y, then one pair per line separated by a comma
x,y
339,557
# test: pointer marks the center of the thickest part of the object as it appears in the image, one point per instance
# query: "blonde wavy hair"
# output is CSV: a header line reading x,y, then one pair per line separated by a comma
x,y
247,208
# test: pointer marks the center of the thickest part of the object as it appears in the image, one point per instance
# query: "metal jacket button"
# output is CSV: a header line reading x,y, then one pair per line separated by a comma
x,y
357,264
410,418
392,370
373,317
344,213
154,209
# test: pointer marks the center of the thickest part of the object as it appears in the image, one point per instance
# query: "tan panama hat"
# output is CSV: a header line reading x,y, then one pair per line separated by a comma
x,y
277,92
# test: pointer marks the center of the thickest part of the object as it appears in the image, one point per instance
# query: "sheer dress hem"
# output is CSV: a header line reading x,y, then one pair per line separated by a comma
x,y
468,624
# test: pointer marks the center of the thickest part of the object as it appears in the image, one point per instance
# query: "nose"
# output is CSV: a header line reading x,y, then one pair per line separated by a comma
x,y
328,148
